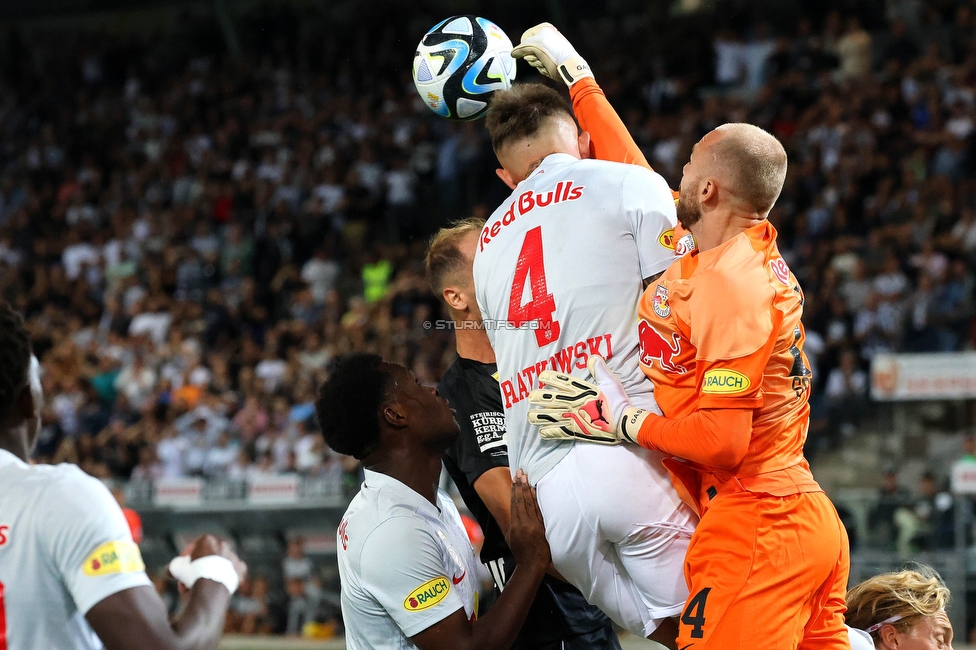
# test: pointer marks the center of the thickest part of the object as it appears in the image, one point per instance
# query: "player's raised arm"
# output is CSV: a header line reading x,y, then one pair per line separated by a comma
x,y
136,618
546,49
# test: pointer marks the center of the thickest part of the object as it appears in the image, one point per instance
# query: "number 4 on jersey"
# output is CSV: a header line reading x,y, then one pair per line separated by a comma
x,y
3,622
539,309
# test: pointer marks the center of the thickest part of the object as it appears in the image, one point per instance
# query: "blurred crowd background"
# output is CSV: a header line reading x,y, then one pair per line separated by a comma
x,y
196,222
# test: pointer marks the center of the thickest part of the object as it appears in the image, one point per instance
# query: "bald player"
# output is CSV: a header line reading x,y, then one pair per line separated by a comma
x,y
721,339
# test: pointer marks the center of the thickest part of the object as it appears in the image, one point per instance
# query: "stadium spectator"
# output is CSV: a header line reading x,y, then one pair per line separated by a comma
x,y
887,520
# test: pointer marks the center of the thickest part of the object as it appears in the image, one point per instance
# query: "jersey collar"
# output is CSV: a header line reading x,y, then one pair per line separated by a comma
x,y
381,481
549,160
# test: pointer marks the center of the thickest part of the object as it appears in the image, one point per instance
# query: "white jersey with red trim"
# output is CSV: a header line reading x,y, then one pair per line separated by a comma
x,y
557,275
64,547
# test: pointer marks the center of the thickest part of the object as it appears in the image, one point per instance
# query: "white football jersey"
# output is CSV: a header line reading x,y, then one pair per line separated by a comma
x,y
64,547
558,275
404,564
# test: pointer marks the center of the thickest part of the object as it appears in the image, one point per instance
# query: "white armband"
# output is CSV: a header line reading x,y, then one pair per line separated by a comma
x,y
212,567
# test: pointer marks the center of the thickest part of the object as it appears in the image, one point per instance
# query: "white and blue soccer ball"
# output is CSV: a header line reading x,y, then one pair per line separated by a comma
x,y
460,63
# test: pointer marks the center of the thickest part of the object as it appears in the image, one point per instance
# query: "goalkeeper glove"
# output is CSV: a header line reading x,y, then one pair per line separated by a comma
x,y
548,51
569,408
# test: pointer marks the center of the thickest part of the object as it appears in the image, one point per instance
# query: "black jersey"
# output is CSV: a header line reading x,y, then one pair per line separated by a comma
x,y
559,612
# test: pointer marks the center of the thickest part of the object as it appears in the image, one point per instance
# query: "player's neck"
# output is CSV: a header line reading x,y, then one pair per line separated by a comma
x,y
14,440
714,230
473,344
415,467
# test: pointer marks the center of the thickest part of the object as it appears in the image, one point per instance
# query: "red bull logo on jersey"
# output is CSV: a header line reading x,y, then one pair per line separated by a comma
x,y
526,203
722,381
122,556
428,594
654,347
780,270
660,302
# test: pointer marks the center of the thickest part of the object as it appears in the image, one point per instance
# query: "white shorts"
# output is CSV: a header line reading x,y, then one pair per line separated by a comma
x,y
619,532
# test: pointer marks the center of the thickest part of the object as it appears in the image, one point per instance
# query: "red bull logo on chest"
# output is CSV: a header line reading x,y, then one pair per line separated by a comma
x,y
654,347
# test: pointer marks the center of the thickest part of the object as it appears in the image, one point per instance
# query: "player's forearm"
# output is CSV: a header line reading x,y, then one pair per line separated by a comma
x,y
201,623
714,437
609,138
500,626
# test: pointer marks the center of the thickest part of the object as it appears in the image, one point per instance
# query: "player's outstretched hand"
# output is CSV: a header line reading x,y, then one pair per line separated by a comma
x,y
570,408
527,532
549,52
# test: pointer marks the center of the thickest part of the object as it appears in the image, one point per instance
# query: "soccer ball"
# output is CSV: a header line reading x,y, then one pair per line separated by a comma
x,y
460,63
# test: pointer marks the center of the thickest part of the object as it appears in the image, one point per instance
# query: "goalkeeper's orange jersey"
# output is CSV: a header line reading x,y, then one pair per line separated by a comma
x,y
721,330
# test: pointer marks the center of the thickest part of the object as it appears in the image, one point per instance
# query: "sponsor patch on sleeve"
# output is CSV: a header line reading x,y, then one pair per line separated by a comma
x,y
667,238
114,557
722,381
489,430
428,594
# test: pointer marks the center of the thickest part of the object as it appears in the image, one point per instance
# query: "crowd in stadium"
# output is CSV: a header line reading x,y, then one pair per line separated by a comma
x,y
194,237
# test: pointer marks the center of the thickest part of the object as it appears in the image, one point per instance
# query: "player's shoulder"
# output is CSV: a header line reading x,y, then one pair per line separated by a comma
x,y
452,377
737,266
625,173
63,477
68,487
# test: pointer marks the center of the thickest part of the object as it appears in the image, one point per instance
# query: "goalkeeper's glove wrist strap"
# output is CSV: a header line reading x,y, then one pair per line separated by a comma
x,y
573,69
632,422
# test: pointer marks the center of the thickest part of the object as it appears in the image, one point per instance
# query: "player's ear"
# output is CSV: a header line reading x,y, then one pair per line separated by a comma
x,y
454,299
889,635
394,416
584,145
506,178
26,406
708,192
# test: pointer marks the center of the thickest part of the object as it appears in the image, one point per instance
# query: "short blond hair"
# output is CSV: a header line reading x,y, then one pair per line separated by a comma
x,y
444,257
755,161
910,594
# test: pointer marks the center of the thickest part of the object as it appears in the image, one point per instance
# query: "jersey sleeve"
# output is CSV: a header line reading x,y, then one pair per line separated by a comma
x,y
403,570
90,543
734,325
646,201
481,445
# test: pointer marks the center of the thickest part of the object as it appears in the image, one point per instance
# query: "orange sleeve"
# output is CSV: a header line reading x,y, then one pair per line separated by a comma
x,y
714,437
609,138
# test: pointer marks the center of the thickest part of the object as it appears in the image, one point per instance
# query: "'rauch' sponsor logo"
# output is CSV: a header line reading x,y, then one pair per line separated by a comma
x,y
114,557
725,382
428,594
667,238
